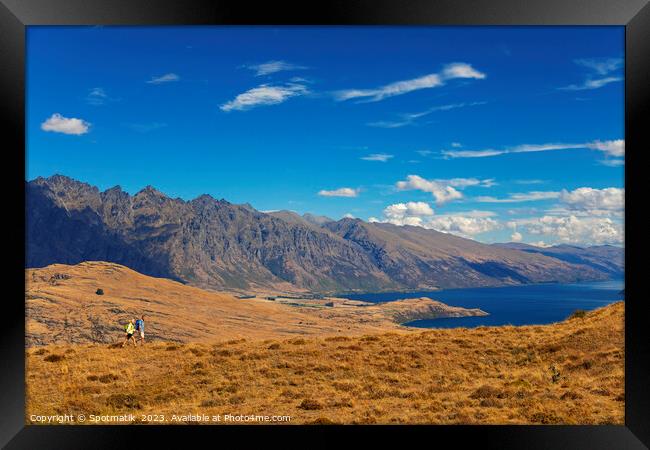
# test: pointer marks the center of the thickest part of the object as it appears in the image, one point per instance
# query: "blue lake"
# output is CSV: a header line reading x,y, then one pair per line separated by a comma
x,y
515,305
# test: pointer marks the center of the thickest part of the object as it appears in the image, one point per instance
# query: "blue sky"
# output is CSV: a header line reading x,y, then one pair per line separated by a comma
x,y
493,133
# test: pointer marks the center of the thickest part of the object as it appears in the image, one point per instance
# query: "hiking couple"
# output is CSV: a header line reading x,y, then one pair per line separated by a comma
x,y
133,326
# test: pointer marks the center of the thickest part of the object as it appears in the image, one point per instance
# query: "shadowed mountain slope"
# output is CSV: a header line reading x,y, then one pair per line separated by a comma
x,y
215,244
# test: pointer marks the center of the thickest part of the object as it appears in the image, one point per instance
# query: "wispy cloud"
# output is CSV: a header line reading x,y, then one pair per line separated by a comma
x,y
410,118
264,94
599,76
340,192
530,181
450,71
611,148
612,162
58,124
167,78
96,96
381,157
521,197
591,84
601,66
270,67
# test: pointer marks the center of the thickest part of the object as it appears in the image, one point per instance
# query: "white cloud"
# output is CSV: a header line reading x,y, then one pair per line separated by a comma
x,y
520,197
420,214
575,230
441,192
516,237
341,192
599,68
59,124
381,157
348,216
264,95
589,199
461,70
168,77
455,70
407,213
462,224
456,144
612,148
270,67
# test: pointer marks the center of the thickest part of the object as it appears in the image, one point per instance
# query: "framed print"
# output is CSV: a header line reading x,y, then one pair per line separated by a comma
x,y
360,217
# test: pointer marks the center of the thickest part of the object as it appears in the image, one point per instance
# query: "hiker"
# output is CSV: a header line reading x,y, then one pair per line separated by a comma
x,y
130,329
139,327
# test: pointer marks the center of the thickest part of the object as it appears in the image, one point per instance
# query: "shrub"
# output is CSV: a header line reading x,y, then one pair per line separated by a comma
x,y
53,358
545,417
578,314
211,402
99,291
107,378
123,401
274,346
310,405
490,403
321,421
486,391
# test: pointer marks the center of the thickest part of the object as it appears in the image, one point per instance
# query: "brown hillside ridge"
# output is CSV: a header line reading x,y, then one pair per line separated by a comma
x,y
570,372
62,306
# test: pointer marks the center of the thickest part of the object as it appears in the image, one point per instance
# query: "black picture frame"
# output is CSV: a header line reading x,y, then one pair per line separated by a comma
x,y
15,15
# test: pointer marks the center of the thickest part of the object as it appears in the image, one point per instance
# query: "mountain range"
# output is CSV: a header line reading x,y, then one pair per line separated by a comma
x,y
219,245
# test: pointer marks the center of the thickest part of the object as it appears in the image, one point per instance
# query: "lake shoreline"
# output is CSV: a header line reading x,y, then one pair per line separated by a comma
x,y
533,304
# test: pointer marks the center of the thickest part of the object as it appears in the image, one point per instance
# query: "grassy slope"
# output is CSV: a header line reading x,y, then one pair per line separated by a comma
x,y
62,307
483,375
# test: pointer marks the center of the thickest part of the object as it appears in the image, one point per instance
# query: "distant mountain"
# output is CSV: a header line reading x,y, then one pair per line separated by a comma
x,y
318,220
215,244
306,219
417,257
604,258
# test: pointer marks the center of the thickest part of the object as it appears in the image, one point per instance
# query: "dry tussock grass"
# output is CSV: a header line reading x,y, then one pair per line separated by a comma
x,y
571,372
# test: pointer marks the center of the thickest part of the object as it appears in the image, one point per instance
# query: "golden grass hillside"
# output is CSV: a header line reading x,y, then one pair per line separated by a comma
x,y
62,306
570,372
